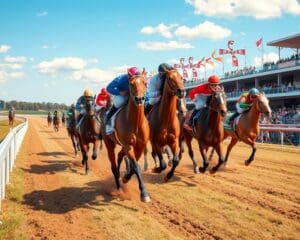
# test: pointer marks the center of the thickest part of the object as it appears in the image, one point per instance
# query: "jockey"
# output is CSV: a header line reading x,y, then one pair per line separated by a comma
x,y
80,105
244,102
101,99
70,114
155,86
200,94
119,88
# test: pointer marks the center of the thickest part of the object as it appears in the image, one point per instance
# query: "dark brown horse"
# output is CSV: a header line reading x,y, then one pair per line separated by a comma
x,y
247,128
63,119
208,130
89,131
101,114
164,123
11,117
56,121
73,133
49,119
131,132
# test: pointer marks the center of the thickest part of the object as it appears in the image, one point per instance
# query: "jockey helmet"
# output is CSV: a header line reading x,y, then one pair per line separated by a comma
x,y
87,93
213,79
133,71
253,91
163,66
103,91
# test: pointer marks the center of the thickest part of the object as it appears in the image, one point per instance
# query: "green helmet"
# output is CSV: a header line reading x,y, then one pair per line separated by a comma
x,y
254,91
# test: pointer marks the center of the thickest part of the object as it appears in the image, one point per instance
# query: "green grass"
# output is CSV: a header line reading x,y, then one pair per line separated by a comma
x,y
11,215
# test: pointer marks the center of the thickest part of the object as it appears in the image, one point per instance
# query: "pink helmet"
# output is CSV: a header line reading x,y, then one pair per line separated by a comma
x,y
133,71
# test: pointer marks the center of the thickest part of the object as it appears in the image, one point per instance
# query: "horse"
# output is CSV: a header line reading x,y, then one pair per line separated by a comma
x,y
131,132
49,119
63,119
73,133
181,112
247,127
164,123
11,117
56,121
89,130
208,130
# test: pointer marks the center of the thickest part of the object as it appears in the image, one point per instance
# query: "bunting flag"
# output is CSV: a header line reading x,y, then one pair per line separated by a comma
x,y
213,55
195,74
208,60
258,42
185,73
235,62
223,51
200,63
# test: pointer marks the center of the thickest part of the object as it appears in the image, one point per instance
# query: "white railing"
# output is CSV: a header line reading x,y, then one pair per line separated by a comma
x,y
9,148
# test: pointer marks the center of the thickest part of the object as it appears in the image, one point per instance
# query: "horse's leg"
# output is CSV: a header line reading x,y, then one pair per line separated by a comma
x,y
204,158
74,144
85,158
230,146
95,149
134,156
145,159
188,141
157,151
175,150
110,146
121,155
219,150
169,155
251,158
154,155
211,154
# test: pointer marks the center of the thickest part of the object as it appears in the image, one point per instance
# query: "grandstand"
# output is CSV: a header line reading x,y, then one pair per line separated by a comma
x,y
280,81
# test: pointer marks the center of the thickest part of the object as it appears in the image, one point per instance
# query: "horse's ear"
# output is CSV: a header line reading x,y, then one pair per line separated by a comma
x,y
144,72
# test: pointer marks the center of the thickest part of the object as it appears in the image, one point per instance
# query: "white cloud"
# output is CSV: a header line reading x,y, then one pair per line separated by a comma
x,y
206,29
10,66
233,8
42,14
4,48
45,46
161,29
159,46
94,75
19,59
61,65
269,57
4,76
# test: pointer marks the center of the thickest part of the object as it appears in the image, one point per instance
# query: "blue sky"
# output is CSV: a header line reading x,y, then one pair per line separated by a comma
x,y
50,50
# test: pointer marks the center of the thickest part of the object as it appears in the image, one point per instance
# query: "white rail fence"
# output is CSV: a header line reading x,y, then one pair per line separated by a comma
x,y
9,148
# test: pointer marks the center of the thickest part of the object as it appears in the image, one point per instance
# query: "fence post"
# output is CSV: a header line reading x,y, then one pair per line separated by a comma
x,y
281,138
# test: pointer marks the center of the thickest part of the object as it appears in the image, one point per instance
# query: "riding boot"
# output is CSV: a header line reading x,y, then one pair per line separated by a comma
x,y
78,120
194,113
232,117
148,108
109,114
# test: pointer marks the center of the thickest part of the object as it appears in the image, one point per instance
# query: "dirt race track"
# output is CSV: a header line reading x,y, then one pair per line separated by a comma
x,y
261,201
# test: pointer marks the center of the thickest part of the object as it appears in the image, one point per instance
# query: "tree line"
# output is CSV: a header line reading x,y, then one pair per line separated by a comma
x,y
35,106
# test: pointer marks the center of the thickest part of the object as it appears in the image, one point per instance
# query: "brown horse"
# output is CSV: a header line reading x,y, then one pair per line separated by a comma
x,y
56,121
89,131
247,128
164,123
131,132
73,133
49,119
11,117
208,130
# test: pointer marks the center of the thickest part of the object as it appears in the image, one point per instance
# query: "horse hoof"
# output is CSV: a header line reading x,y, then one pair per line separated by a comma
x,y
170,163
166,179
202,169
94,157
156,170
82,162
213,170
87,172
146,199
247,162
124,180
196,169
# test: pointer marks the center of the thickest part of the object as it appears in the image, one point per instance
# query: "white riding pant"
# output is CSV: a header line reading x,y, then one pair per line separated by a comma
x,y
119,100
200,101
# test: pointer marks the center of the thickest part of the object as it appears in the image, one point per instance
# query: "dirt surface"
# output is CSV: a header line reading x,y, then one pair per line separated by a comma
x,y
261,201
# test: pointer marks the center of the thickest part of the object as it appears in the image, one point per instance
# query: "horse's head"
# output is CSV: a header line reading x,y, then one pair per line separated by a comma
x,y
90,106
261,104
218,102
174,83
137,85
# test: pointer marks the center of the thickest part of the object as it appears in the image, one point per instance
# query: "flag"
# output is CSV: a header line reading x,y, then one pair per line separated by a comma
x,y
258,42
213,55
235,62
223,51
185,74
241,51
195,75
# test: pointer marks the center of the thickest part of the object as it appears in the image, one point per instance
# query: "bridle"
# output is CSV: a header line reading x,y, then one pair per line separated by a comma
x,y
136,99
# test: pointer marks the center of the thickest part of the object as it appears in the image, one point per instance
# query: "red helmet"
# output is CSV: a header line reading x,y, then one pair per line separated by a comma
x,y
133,71
213,79
103,91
